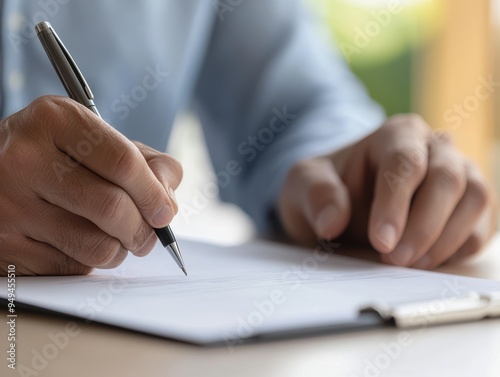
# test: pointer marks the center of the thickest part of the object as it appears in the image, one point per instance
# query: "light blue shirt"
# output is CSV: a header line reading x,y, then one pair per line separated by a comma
x,y
268,89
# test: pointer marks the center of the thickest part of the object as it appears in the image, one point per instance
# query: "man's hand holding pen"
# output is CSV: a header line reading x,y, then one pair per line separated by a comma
x,y
75,193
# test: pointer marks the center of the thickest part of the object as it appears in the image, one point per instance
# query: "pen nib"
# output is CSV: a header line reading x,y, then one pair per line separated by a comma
x,y
176,254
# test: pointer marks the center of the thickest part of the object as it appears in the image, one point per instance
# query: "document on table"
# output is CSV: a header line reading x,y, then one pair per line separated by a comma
x,y
236,292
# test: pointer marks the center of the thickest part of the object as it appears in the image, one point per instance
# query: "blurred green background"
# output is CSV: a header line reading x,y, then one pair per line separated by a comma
x,y
380,40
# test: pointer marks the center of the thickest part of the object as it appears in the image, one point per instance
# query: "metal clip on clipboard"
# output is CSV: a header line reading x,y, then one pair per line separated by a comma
x,y
470,307
421,314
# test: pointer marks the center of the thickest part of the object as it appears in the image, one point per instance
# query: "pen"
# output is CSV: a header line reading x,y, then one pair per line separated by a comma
x,y
78,90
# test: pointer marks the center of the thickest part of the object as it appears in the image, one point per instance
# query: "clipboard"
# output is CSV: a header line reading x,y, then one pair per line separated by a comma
x,y
418,315
311,292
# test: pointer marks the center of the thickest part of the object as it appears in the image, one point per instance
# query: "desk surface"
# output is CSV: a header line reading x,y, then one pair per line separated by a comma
x,y
471,349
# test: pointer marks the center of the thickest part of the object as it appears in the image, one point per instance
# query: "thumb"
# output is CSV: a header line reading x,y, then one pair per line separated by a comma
x,y
317,200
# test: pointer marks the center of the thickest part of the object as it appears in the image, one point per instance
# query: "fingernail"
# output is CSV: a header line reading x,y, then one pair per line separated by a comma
x,y
423,263
401,256
325,219
387,234
162,217
171,193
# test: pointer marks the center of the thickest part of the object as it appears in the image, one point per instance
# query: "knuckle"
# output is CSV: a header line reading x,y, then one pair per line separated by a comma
x,y
322,189
473,246
410,161
71,267
175,168
80,269
140,237
478,192
300,168
20,157
125,163
103,251
450,176
118,259
146,248
169,168
154,198
441,137
44,107
408,120
411,155
416,121
112,206
50,115
427,232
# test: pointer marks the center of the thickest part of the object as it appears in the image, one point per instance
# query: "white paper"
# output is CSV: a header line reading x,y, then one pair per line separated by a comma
x,y
238,291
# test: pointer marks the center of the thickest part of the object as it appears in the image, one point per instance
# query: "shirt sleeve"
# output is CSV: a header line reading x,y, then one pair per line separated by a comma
x,y
273,91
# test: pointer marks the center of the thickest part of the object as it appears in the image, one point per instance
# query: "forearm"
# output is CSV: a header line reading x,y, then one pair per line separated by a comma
x,y
284,96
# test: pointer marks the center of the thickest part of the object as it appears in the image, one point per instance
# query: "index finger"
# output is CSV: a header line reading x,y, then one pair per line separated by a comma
x,y
400,158
90,141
